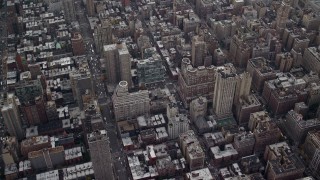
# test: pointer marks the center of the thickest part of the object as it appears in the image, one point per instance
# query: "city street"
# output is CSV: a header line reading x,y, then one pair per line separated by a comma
x,y
119,158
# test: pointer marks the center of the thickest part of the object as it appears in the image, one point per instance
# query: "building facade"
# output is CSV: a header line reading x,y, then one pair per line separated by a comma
x,y
69,10
224,89
195,82
118,63
11,117
198,52
151,70
100,155
198,108
129,105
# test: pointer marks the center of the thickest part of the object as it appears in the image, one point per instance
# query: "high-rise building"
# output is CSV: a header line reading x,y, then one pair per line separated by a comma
x,y
27,91
283,13
102,34
51,111
297,127
243,87
35,143
9,150
265,133
11,117
225,85
195,82
240,49
256,118
69,10
177,123
284,61
77,44
118,63
311,21
260,71
219,57
198,108
245,107
90,7
224,29
195,156
151,70
192,150
244,143
311,151
100,155
204,7
129,105
282,162
199,51
81,84
311,59
35,111
47,158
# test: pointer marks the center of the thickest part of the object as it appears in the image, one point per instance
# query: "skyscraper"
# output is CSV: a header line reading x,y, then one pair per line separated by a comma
x,y
69,10
243,87
90,7
102,34
11,116
100,155
226,81
118,63
283,15
199,51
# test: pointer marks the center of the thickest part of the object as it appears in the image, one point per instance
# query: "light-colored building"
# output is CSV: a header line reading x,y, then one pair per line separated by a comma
x,y
225,85
9,150
243,87
284,61
198,51
118,63
177,123
192,150
195,82
11,117
256,117
130,105
195,156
